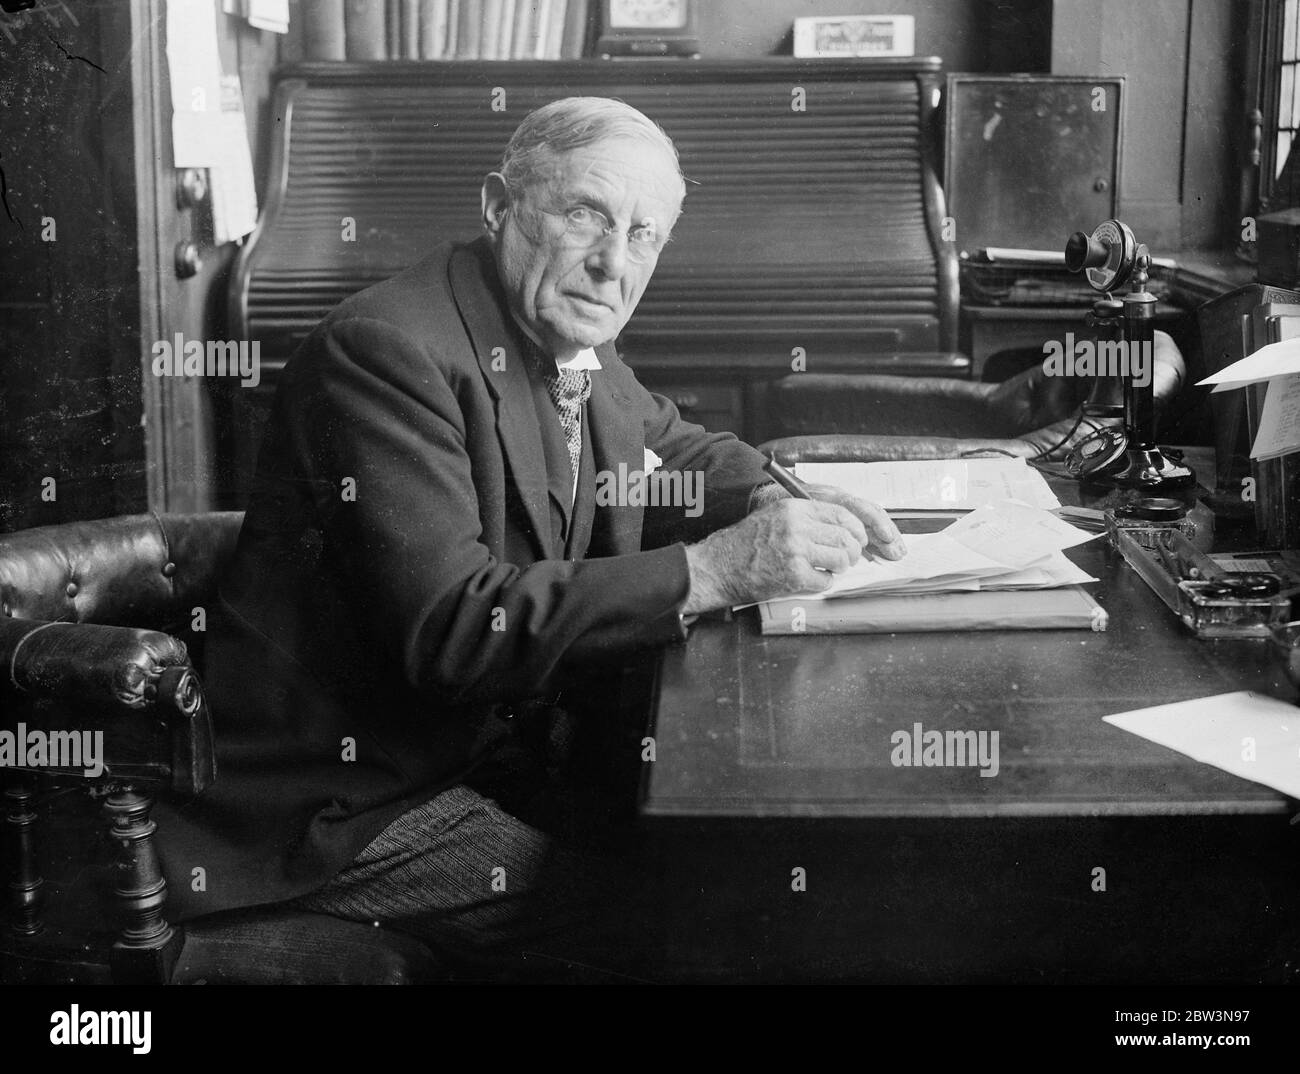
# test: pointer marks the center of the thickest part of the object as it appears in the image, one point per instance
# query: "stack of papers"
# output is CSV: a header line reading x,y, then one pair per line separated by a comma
x,y
1005,545
938,485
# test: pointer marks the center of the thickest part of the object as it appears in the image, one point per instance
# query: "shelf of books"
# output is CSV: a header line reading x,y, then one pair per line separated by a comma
x,y
438,30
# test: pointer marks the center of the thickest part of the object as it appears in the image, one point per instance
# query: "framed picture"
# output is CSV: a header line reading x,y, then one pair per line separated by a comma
x,y
844,36
647,28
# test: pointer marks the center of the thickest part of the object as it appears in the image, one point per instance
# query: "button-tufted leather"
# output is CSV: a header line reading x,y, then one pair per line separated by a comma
x,y
76,597
60,660
137,569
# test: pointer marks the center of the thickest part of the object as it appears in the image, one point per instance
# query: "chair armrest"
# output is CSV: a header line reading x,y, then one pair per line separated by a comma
x,y
880,404
850,447
1049,443
120,674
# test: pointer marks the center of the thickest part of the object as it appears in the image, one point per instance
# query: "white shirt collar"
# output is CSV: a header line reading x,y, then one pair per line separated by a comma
x,y
584,359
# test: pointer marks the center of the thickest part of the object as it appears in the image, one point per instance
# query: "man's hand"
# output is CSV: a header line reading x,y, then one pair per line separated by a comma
x,y
884,539
785,547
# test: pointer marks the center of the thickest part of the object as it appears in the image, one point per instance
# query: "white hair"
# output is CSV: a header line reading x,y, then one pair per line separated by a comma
x,y
571,123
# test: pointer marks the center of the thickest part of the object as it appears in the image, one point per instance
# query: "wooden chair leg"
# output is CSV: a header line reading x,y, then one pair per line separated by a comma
x,y
25,882
148,947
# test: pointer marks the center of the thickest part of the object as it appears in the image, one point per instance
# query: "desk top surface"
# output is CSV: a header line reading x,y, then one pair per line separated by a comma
x,y
801,726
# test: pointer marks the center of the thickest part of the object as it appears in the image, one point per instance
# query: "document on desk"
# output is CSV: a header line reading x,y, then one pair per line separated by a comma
x,y
935,485
1248,734
1005,545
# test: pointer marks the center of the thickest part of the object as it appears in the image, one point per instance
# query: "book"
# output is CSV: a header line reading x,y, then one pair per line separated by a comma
x,y
323,32
363,24
410,29
506,39
293,43
451,50
574,44
469,30
430,43
554,31
490,30
525,19
539,30
392,29
1069,608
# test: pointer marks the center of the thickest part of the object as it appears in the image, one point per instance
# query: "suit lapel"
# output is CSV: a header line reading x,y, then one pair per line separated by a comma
x,y
584,503
498,348
615,439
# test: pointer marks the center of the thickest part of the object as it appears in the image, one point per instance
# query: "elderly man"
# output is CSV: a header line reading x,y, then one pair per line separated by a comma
x,y
425,588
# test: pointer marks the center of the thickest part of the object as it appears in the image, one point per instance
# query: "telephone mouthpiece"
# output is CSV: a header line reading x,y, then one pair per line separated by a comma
x,y
1082,251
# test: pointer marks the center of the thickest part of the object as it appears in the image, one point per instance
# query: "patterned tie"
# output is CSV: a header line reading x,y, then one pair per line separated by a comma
x,y
569,390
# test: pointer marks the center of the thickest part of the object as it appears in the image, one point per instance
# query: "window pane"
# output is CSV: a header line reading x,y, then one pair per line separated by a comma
x,y
1286,97
1288,31
1283,151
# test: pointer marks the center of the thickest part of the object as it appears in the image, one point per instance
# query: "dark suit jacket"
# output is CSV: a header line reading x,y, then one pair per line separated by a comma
x,y
400,576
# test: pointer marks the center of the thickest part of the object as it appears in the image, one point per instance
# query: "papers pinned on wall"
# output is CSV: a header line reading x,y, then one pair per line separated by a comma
x,y
234,191
194,71
208,126
935,485
270,15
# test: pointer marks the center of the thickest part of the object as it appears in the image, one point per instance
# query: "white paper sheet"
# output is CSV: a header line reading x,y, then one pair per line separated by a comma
x,y
1273,360
934,485
930,556
1014,533
1248,734
234,192
1279,419
1009,543
194,69
1052,573
270,15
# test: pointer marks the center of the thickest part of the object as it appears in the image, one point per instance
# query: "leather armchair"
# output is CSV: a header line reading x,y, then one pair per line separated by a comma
x,y
873,418
98,624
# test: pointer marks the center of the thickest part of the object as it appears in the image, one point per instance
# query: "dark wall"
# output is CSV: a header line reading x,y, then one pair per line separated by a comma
x,y
69,322
1184,119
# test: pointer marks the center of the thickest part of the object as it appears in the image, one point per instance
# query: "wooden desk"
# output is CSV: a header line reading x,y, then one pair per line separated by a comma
x,y
773,753
748,725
